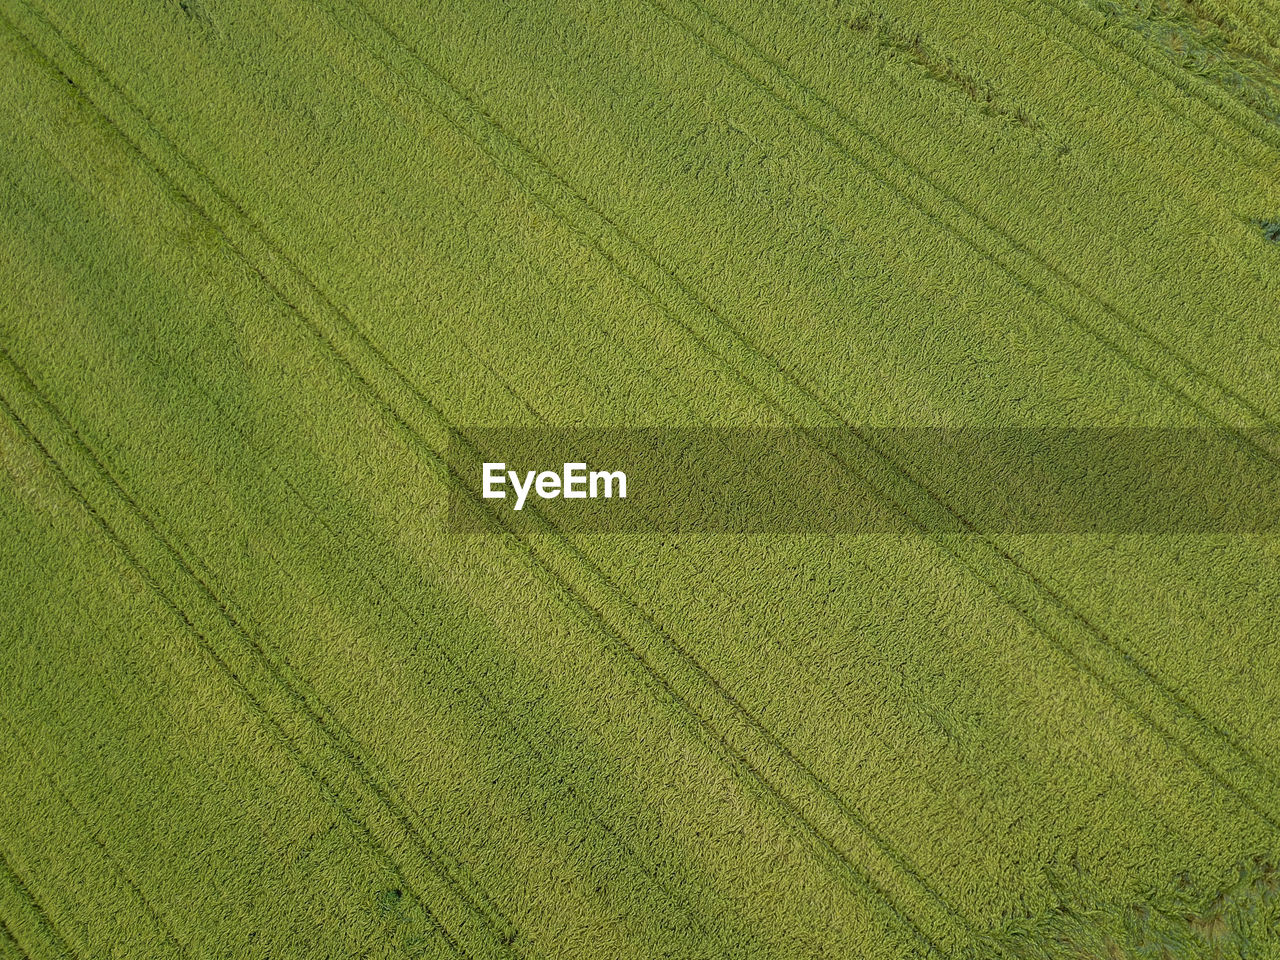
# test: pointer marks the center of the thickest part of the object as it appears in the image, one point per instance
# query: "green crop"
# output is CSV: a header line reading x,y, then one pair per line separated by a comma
x,y
263,264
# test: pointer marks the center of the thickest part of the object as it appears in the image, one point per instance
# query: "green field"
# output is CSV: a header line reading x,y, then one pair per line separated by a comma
x,y
262,264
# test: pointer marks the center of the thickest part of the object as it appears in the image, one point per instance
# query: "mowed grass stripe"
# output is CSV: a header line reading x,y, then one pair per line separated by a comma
x,y
801,781
1029,595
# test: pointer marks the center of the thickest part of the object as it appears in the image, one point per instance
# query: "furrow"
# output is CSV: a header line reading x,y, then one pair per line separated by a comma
x,y
1172,719
343,341
237,672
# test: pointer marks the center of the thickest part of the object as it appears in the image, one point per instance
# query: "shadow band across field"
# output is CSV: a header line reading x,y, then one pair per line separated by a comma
x,y
986,480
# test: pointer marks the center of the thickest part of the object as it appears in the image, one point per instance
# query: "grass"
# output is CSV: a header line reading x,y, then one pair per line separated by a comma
x,y
265,263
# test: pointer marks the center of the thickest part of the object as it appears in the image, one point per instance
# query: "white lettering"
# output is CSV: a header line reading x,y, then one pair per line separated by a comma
x,y
575,483
609,477
521,492
493,475
575,473
548,484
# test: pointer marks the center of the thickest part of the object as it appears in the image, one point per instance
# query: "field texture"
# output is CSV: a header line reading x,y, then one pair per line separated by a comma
x,y
262,263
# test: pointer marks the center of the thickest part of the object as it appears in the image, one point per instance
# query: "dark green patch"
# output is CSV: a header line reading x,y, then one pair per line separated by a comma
x,y
1238,56
1270,229
897,39
1238,920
